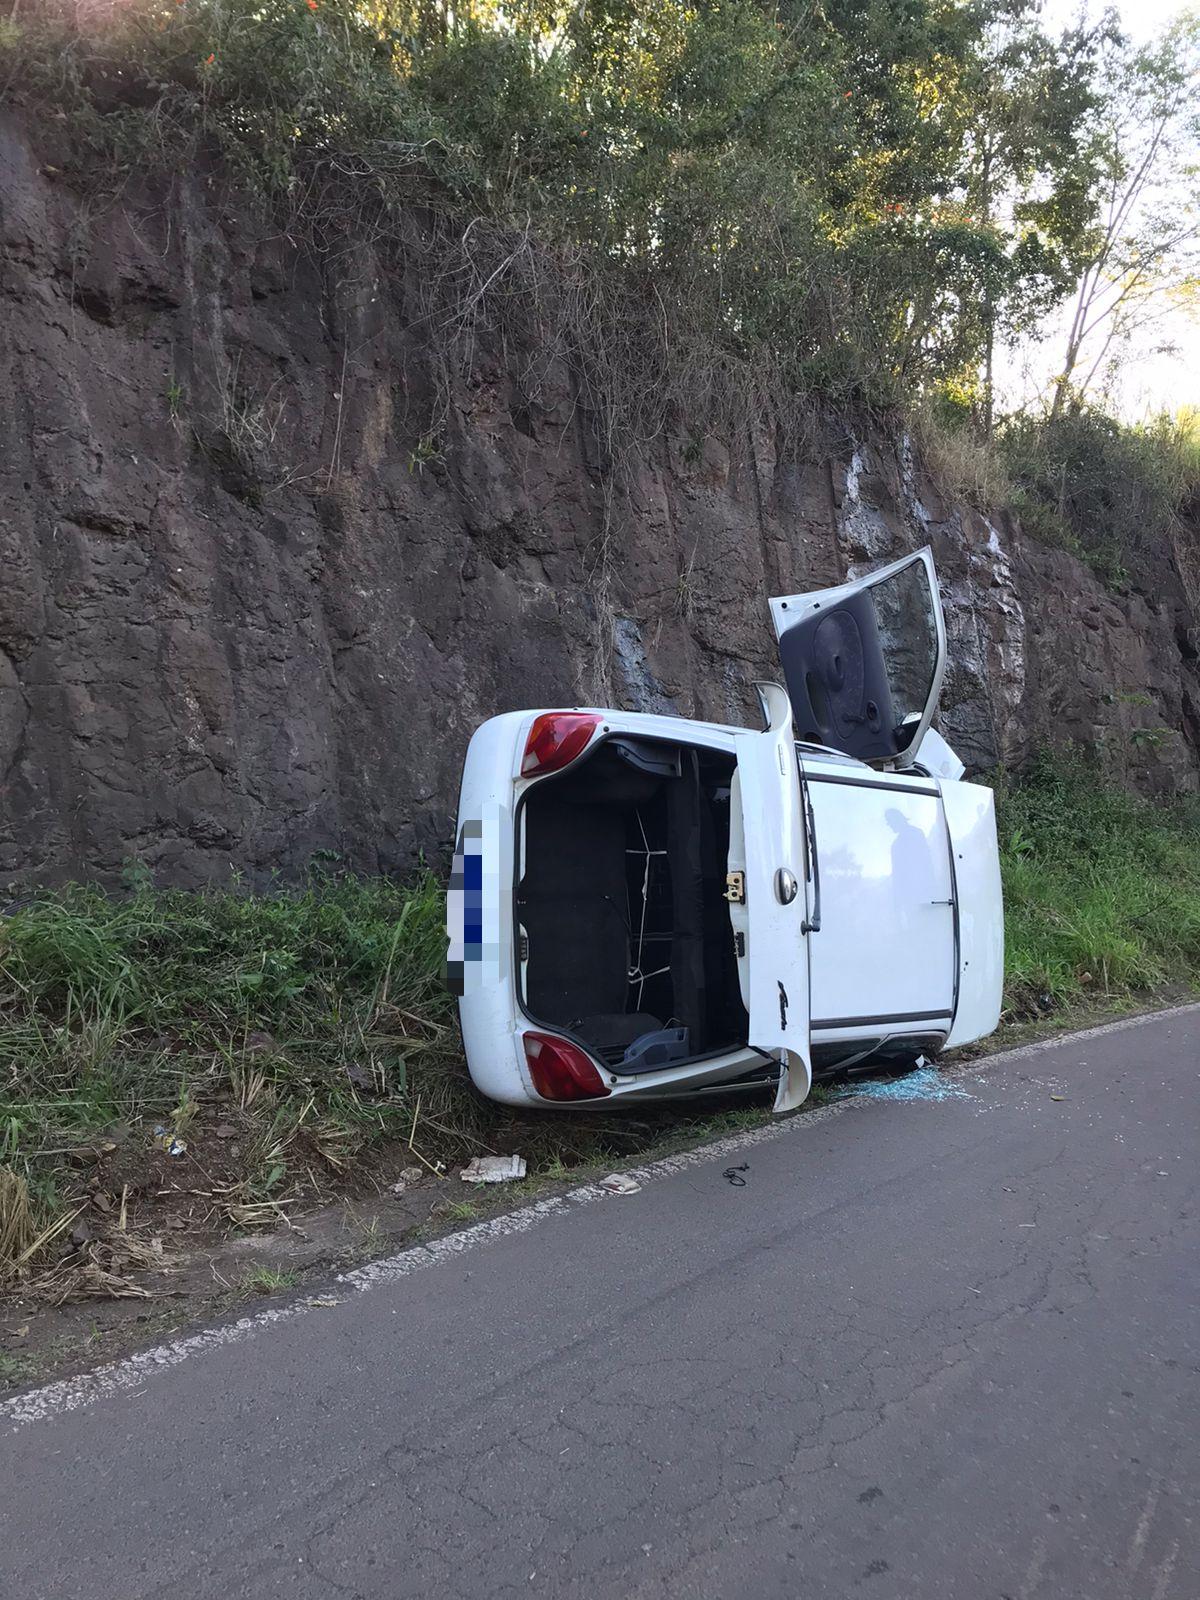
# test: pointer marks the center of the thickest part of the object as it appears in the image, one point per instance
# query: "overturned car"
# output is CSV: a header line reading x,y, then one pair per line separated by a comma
x,y
647,906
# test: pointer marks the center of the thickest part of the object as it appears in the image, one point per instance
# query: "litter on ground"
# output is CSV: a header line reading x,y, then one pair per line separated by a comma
x,y
493,1169
168,1141
407,1179
618,1183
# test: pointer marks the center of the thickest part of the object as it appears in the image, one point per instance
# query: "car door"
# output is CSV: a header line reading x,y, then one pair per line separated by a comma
x,y
864,660
886,953
768,895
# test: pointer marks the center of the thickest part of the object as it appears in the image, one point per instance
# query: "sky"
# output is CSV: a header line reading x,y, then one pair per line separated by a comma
x,y
1152,381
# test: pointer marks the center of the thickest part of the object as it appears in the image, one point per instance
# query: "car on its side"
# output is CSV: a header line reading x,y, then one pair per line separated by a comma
x,y
645,907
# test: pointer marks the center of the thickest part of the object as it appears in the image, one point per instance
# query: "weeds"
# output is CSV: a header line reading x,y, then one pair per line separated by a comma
x,y
290,1039
963,466
250,417
1110,493
15,1370
1101,889
427,452
267,1280
300,1013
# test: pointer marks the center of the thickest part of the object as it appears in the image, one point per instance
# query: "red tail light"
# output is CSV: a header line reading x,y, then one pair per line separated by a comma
x,y
561,1070
555,740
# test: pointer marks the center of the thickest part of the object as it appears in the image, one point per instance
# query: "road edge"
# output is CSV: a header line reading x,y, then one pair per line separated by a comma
x,y
130,1372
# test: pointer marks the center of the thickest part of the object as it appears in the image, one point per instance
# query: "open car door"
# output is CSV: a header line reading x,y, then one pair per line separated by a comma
x,y
864,661
768,893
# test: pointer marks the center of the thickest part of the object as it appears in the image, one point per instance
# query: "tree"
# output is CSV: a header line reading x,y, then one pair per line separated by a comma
x,y
1026,177
1144,252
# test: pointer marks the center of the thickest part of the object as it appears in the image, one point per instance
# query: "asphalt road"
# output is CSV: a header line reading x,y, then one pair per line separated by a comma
x,y
927,1350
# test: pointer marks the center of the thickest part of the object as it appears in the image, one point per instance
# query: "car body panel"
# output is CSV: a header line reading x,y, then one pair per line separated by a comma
x,y
937,758
970,812
886,948
487,1013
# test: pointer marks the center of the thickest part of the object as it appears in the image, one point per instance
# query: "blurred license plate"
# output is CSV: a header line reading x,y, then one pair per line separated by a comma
x,y
472,908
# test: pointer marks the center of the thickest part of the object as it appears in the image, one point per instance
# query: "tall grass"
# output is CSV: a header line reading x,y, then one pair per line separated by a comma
x,y
316,1010
314,1021
1101,888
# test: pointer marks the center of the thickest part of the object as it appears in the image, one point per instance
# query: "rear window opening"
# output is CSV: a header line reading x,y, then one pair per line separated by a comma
x,y
626,939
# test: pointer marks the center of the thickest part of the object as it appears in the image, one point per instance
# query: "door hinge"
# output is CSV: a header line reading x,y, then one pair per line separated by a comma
x,y
739,943
523,947
735,888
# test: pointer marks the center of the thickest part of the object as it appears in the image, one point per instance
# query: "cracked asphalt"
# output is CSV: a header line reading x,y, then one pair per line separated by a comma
x,y
928,1350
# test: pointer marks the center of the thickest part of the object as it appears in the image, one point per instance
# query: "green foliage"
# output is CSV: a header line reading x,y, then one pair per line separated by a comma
x,y
1101,889
268,1280
227,962
316,1009
315,1021
817,198
1107,490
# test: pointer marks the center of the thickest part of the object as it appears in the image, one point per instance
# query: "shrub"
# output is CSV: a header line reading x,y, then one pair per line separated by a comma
x,y
1095,485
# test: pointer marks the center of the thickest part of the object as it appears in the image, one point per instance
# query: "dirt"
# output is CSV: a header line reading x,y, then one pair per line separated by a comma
x,y
206,1268
264,576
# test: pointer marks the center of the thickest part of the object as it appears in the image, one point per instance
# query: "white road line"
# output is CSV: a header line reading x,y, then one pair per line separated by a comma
x,y
116,1377
1000,1057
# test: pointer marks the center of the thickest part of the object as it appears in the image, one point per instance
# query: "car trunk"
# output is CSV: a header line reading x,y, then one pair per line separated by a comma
x,y
626,940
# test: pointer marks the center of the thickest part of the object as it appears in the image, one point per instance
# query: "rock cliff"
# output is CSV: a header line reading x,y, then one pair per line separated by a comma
x,y
263,573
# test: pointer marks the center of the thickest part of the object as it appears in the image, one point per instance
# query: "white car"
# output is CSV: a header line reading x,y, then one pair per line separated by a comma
x,y
646,907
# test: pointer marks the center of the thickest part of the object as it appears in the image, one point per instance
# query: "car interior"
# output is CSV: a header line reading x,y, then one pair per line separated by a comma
x,y
626,940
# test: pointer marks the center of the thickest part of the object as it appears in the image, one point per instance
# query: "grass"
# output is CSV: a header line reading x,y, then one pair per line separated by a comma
x,y
267,1280
288,1041
1101,889
1116,495
15,1370
306,1016
964,467
300,1040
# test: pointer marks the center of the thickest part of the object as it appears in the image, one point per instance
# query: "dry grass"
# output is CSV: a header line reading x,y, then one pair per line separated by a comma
x,y
18,1231
964,467
98,1269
